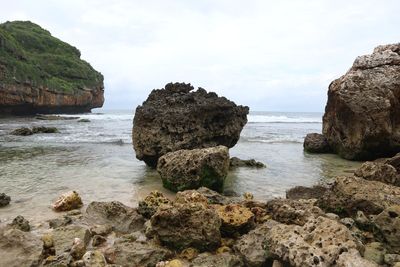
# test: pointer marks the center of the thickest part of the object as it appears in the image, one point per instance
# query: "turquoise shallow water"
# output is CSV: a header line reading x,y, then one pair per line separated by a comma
x,y
98,161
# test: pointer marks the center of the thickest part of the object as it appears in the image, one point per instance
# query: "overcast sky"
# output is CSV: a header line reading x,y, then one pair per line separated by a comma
x,y
269,55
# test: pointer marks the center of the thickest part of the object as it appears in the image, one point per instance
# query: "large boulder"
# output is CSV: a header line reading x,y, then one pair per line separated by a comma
x,y
191,169
186,225
176,118
316,143
362,116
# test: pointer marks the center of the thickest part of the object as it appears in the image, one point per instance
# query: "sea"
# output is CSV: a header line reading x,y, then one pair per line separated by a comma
x,y
97,160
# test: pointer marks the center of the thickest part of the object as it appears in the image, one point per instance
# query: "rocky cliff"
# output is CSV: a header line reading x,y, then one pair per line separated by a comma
x,y
42,74
362,116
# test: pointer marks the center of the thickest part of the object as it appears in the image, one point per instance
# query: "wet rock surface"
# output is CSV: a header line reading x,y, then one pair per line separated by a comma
x,y
24,131
236,162
4,200
362,115
21,223
178,118
191,169
316,143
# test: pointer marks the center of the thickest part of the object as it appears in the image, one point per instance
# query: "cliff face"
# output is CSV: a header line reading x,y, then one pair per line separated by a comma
x,y
41,74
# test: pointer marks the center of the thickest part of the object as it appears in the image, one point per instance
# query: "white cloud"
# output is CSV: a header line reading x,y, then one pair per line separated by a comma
x,y
277,55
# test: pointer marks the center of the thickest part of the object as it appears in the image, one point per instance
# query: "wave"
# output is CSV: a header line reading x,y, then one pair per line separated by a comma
x,y
282,119
281,140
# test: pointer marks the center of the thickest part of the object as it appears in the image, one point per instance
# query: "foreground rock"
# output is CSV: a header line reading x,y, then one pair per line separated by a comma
x,y
250,163
316,143
122,218
68,201
4,200
351,194
376,171
148,206
44,74
388,225
176,118
191,169
186,225
362,116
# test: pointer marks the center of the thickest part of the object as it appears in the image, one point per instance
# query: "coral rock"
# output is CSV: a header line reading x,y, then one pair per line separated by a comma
x,y
68,201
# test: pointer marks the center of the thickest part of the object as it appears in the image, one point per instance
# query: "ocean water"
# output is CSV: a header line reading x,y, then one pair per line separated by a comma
x,y
97,160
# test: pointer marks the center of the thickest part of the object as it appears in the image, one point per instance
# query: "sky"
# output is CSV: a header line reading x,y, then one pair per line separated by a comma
x,y
268,55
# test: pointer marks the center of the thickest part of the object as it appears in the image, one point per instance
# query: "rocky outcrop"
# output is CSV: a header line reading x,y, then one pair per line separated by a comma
x,y
41,74
178,118
362,116
316,143
4,200
191,169
376,171
68,201
24,131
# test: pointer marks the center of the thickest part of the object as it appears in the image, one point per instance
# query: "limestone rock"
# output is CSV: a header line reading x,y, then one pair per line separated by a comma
x,y
388,223
94,259
18,248
4,200
127,253
150,204
362,115
235,219
122,218
319,242
220,260
187,225
64,237
302,192
68,201
375,252
351,194
21,223
175,118
376,171
316,143
191,196
250,163
191,169
352,258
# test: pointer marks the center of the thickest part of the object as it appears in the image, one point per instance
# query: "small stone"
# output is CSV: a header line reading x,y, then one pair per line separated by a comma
x,y
174,263
349,222
24,131
21,223
94,259
391,259
189,254
4,200
98,240
68,201
223,249
235,219
248,196
78,249
48,241
84,120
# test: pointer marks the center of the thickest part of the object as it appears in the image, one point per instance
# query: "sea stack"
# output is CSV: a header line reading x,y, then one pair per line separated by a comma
x,y
362,116
177,117
42,74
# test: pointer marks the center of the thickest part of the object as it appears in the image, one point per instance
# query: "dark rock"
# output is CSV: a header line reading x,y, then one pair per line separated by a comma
x,y
59,222
54,118
43,129
250,163
24,131
191,169
84,120
175,118
21,223
214,197
4,200
122,218
94,259
186,225
316,143
98,240
362,116
302,192
78,249
376,171
394,161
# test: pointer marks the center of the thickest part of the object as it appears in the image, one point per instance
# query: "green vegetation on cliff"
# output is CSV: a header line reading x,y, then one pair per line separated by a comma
x,y
29,54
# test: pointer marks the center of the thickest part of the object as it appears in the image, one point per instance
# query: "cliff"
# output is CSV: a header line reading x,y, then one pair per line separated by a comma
x,y
42,74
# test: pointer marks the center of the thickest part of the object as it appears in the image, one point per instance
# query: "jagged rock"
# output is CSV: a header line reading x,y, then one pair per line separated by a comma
x,y
388,224
376,171
23,131
63,237
362,116
351,194
251,247
122,218
394,161
375,252
235,219
293,211
191,169
94,259
21,223
187,225
220,260
128,253
18,248
302,192
191,196
68,201
316,143
251,163
150,204
175,118
4,200
319,242
44,74
78,249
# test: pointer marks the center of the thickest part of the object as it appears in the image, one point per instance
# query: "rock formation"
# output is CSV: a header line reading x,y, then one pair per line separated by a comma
x,y
362,116
191,169
177,118
41,74
316,143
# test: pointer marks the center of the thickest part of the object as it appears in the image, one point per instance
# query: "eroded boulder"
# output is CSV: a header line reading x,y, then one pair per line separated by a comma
x,y
178,118
316,143
191,169
149,205
235,219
